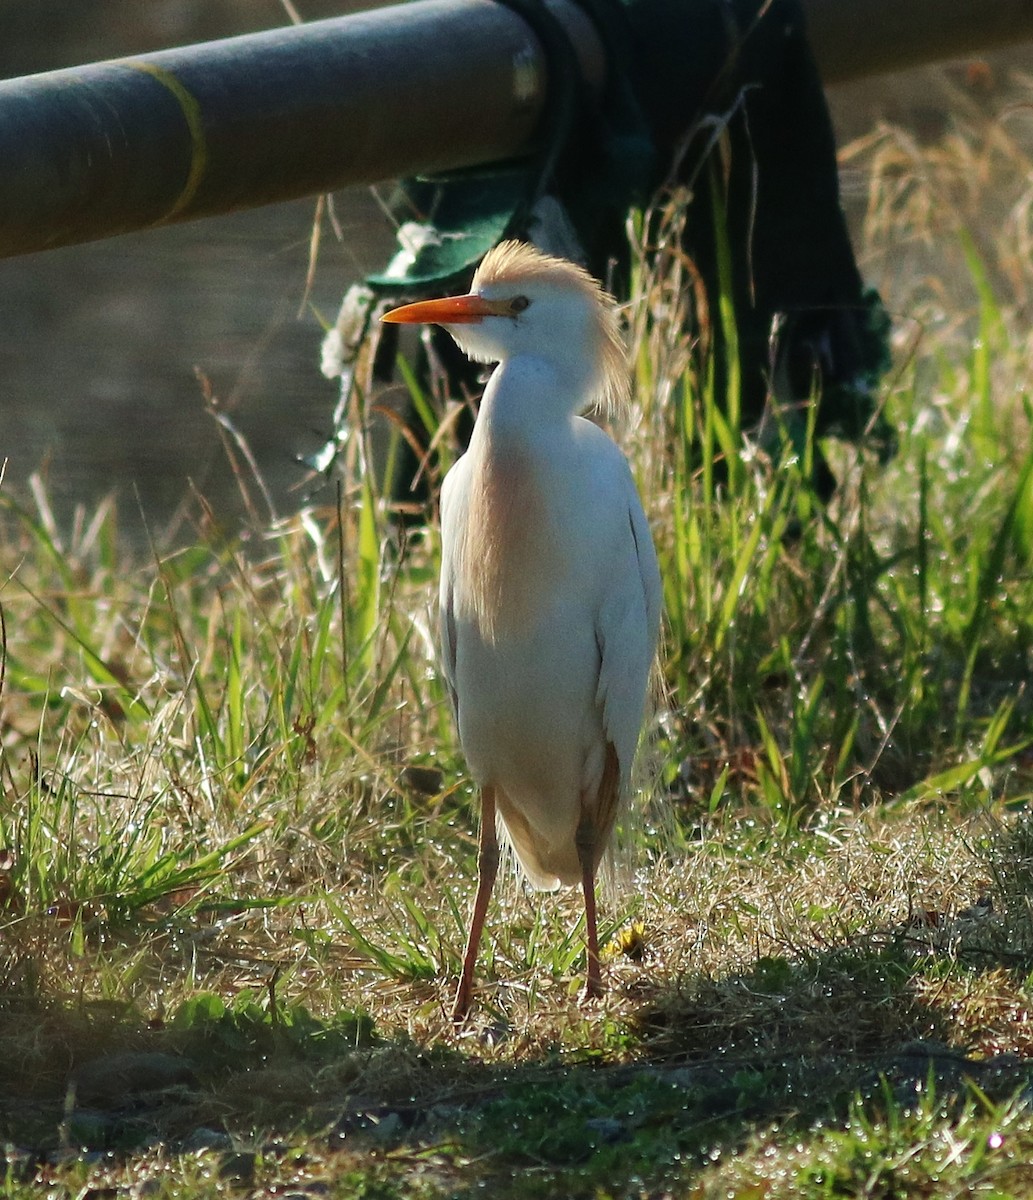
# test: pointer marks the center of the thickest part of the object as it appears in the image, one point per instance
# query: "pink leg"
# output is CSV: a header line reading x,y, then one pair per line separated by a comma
x,y
586,855
487,869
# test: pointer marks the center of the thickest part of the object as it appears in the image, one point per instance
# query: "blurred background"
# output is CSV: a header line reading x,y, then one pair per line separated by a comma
x,y
107,350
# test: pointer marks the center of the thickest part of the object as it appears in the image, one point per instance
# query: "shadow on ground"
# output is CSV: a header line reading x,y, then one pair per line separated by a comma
x,y
710,1062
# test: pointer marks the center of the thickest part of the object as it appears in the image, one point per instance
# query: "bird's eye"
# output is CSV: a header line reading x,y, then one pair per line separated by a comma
x,y
518,304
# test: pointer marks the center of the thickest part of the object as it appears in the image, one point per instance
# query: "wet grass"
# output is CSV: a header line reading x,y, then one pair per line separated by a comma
x,y
237,846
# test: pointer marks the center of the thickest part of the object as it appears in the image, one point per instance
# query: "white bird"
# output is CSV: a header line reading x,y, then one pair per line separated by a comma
x,y
550,591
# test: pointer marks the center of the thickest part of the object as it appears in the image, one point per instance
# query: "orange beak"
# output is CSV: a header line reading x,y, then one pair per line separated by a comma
x,y
452,310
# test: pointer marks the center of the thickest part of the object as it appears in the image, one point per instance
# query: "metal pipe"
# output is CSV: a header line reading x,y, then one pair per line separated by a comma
x,y
104,149
854,38
430,85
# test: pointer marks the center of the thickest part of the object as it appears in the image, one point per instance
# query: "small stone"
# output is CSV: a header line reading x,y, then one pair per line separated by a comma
x,y
87,1129
425,781
606,1130
69,1154
238,1168
389,1127
207,1139
115,1079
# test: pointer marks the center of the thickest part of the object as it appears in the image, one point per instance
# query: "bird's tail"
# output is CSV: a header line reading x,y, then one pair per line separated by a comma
x,y
553,862
532,852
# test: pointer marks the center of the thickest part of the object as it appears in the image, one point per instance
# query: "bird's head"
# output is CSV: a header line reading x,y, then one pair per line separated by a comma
x,y
523,302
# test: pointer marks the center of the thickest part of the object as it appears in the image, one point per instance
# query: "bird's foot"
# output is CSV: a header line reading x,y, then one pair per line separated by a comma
x,y
593,989
461,1005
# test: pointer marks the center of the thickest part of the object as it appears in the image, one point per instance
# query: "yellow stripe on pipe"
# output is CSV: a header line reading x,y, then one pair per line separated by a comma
x,y
191,111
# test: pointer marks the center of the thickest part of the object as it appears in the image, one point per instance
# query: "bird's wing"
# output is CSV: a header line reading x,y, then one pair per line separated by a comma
x,y
448,650
453,516
648,570
627,628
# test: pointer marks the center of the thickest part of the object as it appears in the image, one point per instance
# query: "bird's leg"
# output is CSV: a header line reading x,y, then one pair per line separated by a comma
x,y
487,869
585,842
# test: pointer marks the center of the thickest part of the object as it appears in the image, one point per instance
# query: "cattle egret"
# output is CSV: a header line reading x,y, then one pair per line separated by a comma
x,y
550,592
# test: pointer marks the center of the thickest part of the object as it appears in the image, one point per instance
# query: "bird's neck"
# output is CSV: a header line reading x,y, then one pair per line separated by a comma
x,y
529,400
508,544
